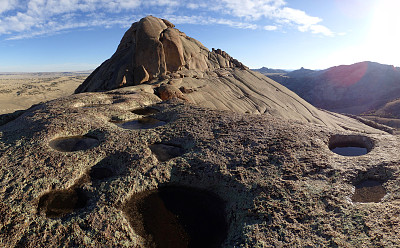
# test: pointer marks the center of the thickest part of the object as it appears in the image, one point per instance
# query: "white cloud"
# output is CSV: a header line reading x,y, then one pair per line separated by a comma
x,y
296,16
251,9
6,5
319,29
209,21
196,5
31,18
270,28
276,11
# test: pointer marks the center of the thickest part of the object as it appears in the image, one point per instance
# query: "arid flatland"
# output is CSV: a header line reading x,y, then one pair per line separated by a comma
x,y
21,90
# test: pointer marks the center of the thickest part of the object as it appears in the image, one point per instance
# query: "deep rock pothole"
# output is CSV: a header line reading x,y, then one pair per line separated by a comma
x,y
74,143
59,203
142,123
165,152
145,111
350,145
178,217
369,190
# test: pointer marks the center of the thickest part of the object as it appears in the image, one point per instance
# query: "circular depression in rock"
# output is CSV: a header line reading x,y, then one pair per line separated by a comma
x,y
165,152
142,123
369,190
145,111
62,202
350,145
74,143
178,217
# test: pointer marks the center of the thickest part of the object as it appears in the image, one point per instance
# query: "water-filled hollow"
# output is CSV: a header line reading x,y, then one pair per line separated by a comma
x,y
62,202
73,143
165,152
350,145
178,217
142,123
369,190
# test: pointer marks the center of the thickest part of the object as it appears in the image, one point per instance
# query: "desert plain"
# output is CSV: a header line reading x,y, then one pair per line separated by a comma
x,y
20,91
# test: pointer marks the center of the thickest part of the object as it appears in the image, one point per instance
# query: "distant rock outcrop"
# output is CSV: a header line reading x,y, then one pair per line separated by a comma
x,y
266,71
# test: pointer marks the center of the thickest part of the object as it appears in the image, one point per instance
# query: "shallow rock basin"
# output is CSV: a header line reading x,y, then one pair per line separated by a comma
x,y
350,151
143,123
178,217
61,202
369,191
74,143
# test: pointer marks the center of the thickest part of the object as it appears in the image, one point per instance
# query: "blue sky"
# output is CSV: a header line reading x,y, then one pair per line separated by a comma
x,y
70,35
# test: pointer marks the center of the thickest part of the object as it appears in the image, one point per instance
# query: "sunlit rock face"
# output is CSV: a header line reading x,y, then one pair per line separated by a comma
x,y
150,49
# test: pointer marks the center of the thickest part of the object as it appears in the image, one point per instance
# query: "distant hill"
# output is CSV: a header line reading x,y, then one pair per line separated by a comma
x,y
266,71
354,89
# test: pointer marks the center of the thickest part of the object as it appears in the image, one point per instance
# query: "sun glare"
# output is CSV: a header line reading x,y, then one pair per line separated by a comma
x,y
384,35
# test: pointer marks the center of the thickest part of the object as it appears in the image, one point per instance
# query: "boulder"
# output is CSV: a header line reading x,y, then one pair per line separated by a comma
x,y
168,92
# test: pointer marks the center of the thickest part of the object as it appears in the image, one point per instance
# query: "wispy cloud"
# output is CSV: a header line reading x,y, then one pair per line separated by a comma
x,y
270,28
21,19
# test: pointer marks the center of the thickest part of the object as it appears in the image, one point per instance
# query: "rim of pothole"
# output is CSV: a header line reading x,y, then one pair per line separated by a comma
x,y
350,145
74,143
142,123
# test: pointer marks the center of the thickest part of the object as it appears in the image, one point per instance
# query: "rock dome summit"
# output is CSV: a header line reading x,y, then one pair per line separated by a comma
x,y
200,152
155,57
153,48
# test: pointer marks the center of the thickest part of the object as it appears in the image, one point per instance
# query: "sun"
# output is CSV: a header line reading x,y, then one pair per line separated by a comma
x,y
383,40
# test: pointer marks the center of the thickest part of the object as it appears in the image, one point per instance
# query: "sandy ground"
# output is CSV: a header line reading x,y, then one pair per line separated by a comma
x,y
21,90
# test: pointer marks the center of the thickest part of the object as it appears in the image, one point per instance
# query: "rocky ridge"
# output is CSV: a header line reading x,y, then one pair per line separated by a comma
x,y
353,89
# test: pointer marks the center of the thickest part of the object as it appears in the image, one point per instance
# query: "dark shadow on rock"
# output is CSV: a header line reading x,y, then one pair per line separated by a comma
x,y
368,190
99,173
142,123
114,164
177,216
165,152
5,118
145,111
